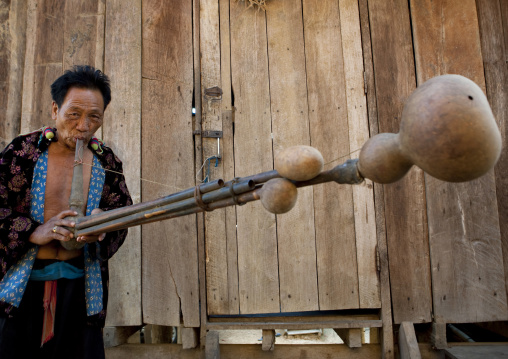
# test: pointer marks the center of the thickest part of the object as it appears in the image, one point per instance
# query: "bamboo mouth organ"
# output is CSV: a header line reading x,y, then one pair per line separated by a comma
x,y
447,129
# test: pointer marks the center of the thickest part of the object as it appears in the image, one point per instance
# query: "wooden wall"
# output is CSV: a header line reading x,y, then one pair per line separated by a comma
x,y
322,73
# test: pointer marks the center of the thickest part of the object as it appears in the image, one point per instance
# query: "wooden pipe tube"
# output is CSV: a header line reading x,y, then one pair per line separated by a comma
x,y
246,189
76,199
241,199
120,218
447,129
96,219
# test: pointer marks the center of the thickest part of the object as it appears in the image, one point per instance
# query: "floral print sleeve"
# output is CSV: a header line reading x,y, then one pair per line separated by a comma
x,y
16,225
114,195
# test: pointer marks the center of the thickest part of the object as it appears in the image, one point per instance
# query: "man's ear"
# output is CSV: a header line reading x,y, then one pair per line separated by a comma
x,y
54,110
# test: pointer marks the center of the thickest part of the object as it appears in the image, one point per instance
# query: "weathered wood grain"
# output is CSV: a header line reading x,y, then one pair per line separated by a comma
x,y
43,61
405,208
333,204
493,47
122,131
467,265
81,35
213,167
363,195
384,275
290,126
351,337
170,258
256,233
408,345
228,156
246,351
13,24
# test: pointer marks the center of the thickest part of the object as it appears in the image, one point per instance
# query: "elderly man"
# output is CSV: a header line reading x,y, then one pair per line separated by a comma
x,y
53,300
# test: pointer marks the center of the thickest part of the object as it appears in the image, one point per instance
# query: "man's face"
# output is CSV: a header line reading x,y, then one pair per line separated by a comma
x,y
80,115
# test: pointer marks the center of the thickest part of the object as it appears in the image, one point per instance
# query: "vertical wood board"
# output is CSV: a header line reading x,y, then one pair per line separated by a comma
x,y
170,269
493,40
405,208
13,25
333,204
43,61
121,131
81,36
463,219
384,275
363,195
213,167
290,126
256,234
228,156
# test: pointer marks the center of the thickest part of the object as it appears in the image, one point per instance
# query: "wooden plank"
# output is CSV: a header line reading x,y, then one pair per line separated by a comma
x,y
170,256
212,348
363,195
310,324
438,335
290,126
333,206
43,61
405,211
257,246
12,54
213,167
384,275
122,121
268,343
245,351
190,338
351,337
493,47
467,265
122,131
114,336
477,352
408,345
504,15
228,156
80,33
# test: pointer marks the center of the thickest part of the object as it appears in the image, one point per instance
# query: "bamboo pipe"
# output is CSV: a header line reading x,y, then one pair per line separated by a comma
x,y
76,199
447,129
246,189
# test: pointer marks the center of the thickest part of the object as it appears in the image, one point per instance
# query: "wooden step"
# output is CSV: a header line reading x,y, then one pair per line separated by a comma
x,y
477,351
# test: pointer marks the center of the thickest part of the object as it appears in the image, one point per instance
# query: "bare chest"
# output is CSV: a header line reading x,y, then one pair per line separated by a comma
x,y
59,182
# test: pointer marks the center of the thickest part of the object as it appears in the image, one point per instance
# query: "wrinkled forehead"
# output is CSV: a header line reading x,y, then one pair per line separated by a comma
x,y
78,97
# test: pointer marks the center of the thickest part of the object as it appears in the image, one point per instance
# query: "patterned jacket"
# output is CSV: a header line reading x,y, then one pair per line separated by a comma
x,y
17,162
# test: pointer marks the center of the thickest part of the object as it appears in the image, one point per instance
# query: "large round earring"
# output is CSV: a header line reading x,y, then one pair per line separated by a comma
x,y
49,133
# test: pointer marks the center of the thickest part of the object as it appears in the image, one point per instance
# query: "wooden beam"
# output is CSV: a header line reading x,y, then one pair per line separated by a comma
x,y
189,337
408,345
386,332
114,336
351,337
438,336
244,351
13,22
212,348
295,325
122,121
268,340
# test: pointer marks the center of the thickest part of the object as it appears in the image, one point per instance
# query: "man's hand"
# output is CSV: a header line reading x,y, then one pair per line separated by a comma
x,y
54,229
92,238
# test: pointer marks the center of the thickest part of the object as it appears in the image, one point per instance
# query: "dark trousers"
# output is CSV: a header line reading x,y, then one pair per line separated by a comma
x,y
20,335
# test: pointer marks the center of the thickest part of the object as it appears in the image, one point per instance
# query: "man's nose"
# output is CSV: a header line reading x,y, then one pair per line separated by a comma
x,y
83,124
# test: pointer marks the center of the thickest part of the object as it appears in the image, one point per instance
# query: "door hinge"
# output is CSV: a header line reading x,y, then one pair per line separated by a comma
x,y
208,134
